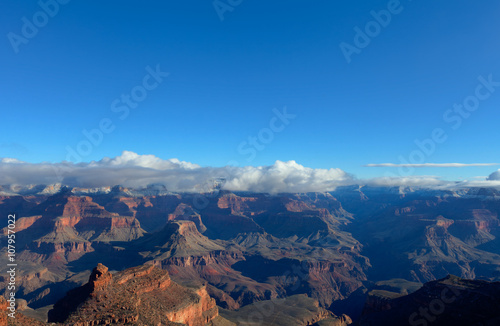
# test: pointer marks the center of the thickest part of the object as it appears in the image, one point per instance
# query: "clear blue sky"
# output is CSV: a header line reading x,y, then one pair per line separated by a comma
x,y
226,76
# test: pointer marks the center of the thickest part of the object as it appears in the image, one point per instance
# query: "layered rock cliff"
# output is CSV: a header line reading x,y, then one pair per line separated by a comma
x,y
143,295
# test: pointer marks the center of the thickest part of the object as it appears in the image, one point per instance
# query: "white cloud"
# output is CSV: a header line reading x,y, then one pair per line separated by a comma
x,y
133,170
495,176
286,177
146,161
10,160
409,181
476,184
429,165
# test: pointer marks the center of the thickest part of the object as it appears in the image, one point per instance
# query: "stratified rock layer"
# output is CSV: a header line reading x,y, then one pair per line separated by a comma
x,y
142,295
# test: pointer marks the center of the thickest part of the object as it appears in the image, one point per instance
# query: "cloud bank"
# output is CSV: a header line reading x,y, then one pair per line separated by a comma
x,y
408,181
429,165
134,170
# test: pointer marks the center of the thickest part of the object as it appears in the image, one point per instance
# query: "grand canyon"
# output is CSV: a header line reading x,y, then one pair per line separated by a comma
x,y
359,255
249,163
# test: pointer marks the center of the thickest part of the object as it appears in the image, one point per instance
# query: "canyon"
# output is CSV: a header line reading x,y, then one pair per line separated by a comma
x,y
326,251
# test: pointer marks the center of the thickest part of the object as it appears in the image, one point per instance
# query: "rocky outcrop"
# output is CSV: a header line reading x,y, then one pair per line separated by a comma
x,y
237,205
143,295
187,213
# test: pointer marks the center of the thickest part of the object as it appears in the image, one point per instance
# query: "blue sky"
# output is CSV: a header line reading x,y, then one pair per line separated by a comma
x,y
226,77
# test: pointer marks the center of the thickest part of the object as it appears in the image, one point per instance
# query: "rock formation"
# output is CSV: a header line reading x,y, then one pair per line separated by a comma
x,y
251,247
143,295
